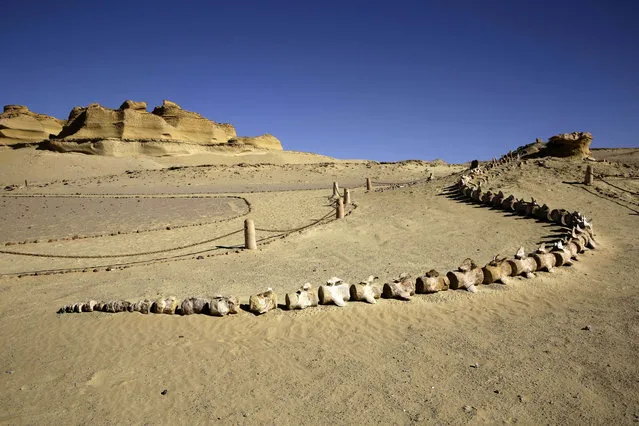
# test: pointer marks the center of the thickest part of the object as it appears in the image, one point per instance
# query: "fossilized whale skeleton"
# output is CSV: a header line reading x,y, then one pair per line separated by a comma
x,y
468,276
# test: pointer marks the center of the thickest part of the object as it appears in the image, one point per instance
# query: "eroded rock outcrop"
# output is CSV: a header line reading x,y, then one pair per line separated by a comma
x,y
132,121
191,126
575,144
18,125
132,130
266,141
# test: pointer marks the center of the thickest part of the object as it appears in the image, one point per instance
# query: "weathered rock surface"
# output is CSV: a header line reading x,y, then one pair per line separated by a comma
x,y
575,144
18,125
132,121
131,129
266,141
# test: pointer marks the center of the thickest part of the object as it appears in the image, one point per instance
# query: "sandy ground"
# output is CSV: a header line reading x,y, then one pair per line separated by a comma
x,y
514,353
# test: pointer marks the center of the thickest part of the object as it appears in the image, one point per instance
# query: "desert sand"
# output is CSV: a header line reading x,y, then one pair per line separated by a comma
x,y
557,348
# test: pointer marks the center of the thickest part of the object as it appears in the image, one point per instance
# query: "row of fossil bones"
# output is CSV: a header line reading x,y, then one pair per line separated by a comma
x,y
468,275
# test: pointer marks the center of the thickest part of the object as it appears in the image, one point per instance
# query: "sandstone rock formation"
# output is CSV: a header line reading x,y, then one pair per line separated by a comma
x,y
576,144
132,130
266,141
18,125
132,121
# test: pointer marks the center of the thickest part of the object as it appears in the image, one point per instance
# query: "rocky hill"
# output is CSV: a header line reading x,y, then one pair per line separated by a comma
x,y
18,126
130,129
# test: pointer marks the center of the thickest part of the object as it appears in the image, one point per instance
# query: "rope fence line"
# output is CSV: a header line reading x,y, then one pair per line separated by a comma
x,y
117,196
185,256
248,206
112,256
600,177
290,231
266,240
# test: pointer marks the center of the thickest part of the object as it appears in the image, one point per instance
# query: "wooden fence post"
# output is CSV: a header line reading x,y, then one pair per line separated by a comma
x,y
347,196
369,185
339,214
335,189
249,235
589,175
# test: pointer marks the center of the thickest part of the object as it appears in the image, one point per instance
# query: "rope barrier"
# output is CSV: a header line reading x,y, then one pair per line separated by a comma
x,y
615,186
179,257
289,231
110,256
138,231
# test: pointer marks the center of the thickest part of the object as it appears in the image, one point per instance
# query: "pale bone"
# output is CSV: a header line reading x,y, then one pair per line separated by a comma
x,y
223,305
263,302
143,306
582,238
335,291
573,246
588,235
431,282
165,306
194,305
523,264
579,240
303,298
338,294
366,291
545,261
116,306
401,288
496,271
88,307
467,276
562,255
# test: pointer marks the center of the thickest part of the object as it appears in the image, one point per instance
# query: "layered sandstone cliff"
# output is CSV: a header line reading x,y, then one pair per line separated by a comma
x,y
575,144
132,122
266,141
18,126
167,130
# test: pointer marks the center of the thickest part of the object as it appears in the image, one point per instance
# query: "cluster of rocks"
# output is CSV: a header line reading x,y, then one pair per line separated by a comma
x,y
131,122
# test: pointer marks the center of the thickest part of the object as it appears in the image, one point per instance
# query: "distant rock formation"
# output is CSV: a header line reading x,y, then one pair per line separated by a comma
x,y
132,122
266,141
18,126
132,130
576,144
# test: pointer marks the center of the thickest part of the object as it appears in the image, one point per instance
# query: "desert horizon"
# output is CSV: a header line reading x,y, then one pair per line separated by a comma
x,y
310,213
543,348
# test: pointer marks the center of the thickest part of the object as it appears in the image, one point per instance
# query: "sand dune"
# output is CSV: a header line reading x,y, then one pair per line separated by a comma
x,y
508,353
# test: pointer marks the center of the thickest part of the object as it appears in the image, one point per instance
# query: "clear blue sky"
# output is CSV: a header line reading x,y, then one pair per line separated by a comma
x,y
383,80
